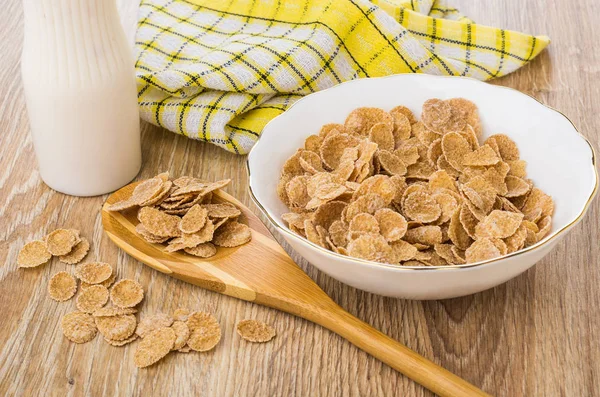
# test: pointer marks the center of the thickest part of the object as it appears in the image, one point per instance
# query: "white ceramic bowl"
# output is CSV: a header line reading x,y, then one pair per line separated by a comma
x,y
560,161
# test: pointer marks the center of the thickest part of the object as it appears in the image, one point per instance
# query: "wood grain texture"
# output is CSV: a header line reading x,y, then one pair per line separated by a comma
x,y
538,334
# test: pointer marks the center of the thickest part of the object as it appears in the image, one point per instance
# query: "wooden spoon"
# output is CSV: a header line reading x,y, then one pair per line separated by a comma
x,y
262,272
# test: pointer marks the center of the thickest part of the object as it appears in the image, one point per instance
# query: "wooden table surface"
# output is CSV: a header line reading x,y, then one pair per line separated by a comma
x,y
538,334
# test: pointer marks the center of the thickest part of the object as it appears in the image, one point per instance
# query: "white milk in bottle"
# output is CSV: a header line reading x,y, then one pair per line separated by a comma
x,y
79,81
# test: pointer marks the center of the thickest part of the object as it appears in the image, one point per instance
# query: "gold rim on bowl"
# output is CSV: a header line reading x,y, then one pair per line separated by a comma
x,y
552,237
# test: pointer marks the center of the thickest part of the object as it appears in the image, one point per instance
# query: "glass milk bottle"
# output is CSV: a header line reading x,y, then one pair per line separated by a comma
x,y
79,82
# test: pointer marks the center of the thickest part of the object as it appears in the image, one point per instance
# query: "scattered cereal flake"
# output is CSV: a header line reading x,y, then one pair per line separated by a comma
x,y
152,323
331,128
183,181
507,147
323,235
370,247
311,233
455,147
382,135
368,203
142,192
445,252
506,205
182,334
149,237
204,250
77,253
203,235
361,120
106,283
61,241
205,332
313,143
62,286
294,219
420,170
435,114
484,156
517,168
159,223
459,254
421,207
255,331
442,180
424,134
34,253
337,232
414,187
479,191
329,191
457,233
123,342
409,155
116,327
402,251
79,327
481,250
499,224
501,245
154,347
296,192
516,186
333,148
162,194
545,225
537,200
400,186
428,235
232,234
392,225
328,212
362,223
310,162
193,220
496,176
292,165
92,298
93,272
382,185
471,137
449,205
443,164
404,111
126,293
199,319
434,152
181,314
402,125
391,163
468,220
466,110
517,240
114,311
192,240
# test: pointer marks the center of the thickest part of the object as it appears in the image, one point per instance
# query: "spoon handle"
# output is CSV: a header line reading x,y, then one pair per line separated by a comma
x,y
428,374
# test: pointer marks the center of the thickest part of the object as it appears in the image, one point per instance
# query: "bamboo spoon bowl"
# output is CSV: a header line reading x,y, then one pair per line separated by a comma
x,y
262,272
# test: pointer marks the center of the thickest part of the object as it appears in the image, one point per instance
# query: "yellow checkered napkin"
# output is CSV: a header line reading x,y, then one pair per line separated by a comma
x,y
219,70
